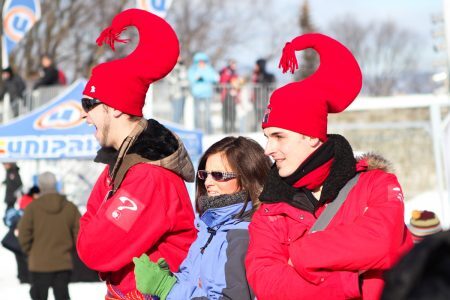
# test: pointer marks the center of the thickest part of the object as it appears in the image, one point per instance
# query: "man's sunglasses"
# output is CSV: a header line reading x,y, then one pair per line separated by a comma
x,y
216,175
88,103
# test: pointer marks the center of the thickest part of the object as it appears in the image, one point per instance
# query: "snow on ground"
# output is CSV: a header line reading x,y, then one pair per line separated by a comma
x,y
10,288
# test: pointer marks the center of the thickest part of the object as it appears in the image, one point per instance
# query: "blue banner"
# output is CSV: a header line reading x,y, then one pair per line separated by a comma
x,y
57,130
18,17
157,7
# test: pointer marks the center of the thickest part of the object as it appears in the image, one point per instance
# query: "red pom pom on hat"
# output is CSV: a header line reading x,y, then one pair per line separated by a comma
x,y
303,106
123,83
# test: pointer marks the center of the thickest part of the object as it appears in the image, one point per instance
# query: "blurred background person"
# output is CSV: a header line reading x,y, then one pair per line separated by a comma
x,y
13,184
264,84
32,194
422,224
47,234
229,180
15,86
423,273
178,90
49,74
202,78
11,242
229,95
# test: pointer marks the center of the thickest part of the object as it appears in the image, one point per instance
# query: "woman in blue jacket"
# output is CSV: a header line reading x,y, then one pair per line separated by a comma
x,y
230,178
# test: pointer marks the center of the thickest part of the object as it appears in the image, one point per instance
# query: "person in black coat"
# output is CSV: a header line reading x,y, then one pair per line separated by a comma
x,y
423,273
13,183
50,74
264,84
13,85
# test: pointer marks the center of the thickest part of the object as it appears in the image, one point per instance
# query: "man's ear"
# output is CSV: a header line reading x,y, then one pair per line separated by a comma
x,y
117,113
314,142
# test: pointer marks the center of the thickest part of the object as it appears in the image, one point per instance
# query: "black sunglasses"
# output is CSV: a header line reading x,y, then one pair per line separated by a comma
x,y
88,103
216,175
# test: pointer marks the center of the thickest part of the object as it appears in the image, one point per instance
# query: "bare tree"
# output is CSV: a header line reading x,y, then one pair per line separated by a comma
x,y
67,31
384,50
216,27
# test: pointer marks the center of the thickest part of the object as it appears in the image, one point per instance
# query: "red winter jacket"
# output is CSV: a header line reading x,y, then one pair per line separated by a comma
x,y
366,236
150,213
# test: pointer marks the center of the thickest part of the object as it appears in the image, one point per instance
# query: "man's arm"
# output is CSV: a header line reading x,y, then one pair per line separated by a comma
x,y
371,241
271,276
131,222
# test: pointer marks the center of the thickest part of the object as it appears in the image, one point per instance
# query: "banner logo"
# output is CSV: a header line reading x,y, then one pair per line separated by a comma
x,y
65,115
17,22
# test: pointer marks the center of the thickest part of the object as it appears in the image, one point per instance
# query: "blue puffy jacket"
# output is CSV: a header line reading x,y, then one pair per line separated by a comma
x,y
218,272
202,79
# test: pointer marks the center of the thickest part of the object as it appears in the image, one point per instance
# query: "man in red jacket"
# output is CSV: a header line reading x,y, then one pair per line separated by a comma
x,y
139,203
345,260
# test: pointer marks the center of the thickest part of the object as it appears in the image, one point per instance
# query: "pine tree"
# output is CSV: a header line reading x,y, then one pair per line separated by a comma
x,y
310,60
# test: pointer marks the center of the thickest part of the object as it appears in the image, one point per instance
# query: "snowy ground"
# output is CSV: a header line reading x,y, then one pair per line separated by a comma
x,y
11,288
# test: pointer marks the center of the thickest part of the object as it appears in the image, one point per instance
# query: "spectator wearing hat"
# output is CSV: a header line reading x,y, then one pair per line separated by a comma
x,y
13,85
33,193
13,183
264,84
202,78
357,203
47,234
139,203
423,223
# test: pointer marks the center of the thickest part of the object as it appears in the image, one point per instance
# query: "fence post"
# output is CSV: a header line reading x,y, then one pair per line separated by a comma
x,y
436,128
7,113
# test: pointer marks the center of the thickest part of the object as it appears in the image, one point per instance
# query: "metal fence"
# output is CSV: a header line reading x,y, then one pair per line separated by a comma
x,y
11,108
231,109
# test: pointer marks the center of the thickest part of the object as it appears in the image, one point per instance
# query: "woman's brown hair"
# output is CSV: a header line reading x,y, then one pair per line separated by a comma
x,y
245,157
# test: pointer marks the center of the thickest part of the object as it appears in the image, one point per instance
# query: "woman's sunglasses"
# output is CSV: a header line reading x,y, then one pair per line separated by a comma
x,y
216,175
88,104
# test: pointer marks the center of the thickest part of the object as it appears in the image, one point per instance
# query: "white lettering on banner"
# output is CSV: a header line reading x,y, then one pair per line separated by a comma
x,y
58,146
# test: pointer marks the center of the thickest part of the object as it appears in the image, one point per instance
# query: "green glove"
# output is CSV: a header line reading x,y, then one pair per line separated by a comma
x,y
151,278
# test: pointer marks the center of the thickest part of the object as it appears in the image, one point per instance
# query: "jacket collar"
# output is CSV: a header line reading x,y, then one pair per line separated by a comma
x,y
159,146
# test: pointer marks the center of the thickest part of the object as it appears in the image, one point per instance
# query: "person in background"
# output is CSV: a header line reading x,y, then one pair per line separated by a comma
x,y
264,84
178,90
229,180
47,234
229,83
13,85
344,258
202,78
11,242
139,203
49,73
423,223
423,273
13,183
32,194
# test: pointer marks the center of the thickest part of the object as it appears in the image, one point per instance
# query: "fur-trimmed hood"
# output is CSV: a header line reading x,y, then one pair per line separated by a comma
x,y
156,145
373,161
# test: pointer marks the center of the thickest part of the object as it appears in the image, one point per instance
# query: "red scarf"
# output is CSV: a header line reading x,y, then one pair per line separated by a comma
x,y
316,177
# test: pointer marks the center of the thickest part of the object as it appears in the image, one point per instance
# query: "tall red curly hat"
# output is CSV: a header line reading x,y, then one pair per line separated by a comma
x,y
303,106
123,83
